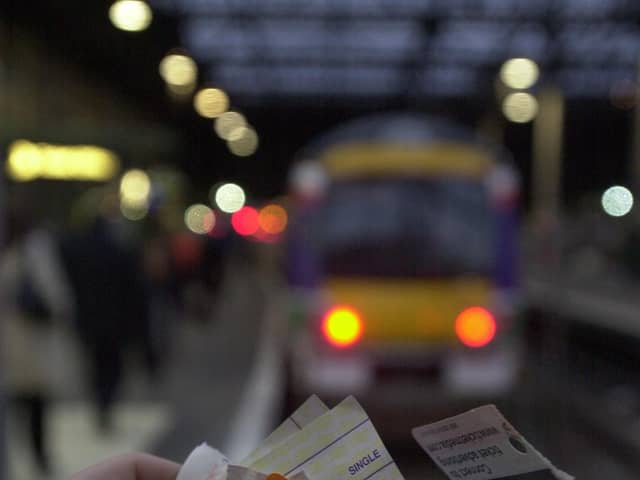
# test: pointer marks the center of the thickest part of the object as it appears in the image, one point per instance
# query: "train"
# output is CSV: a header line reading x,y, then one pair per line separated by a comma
x,y
401,260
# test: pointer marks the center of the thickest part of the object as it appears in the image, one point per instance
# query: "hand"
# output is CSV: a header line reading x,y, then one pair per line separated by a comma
x,y
134,466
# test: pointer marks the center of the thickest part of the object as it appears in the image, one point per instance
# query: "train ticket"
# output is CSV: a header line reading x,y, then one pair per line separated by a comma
x,y
204,463
481,445
311,409
341,444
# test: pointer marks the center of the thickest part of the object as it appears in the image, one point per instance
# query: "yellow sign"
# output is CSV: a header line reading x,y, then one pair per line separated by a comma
x,y
29,161
357,160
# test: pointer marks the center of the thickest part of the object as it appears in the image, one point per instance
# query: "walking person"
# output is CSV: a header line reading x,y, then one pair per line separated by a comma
x,y
111,309
35,302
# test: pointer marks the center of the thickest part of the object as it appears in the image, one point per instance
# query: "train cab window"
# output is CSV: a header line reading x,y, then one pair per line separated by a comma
x,y
406,227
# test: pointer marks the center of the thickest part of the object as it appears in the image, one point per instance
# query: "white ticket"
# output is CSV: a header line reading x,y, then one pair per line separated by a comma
x,y
482,445
311,409
341,444
204,463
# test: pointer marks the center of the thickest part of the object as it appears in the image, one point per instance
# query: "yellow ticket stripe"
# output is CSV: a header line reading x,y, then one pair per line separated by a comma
x,y
341,444
311,409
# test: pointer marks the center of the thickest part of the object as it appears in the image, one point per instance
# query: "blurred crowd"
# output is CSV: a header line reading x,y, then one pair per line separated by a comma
x,y
104,290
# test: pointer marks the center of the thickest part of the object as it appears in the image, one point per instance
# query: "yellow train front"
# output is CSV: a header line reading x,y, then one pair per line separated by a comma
x,y
401,261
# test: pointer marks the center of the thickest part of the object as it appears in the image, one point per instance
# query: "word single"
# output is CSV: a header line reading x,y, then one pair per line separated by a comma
x,y
364,461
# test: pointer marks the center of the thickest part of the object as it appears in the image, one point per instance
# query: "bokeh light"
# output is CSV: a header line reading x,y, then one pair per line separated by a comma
x,y
519,73
245,221
28,161
273,219
342,327
243,141
308,179
178,70
617,201
130,15
475,327
228,197
135,188
211,102
199,219
228,122
520,107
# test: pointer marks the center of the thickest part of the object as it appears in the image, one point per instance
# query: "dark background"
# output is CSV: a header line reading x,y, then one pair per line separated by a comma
x,y
597,135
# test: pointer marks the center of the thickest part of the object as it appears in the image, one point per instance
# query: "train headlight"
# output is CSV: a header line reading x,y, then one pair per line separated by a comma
x,y
475,327
342,327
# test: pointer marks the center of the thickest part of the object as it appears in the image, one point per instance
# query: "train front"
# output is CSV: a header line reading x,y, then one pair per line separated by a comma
x,y
402,264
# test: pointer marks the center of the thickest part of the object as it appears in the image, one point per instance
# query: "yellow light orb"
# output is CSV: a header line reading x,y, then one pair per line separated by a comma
x,y
243,141
178,70
24,162
135,188
519,73
228,122
28,161
520,107
237,133
342,327
229,197
130,15
199,219
211,102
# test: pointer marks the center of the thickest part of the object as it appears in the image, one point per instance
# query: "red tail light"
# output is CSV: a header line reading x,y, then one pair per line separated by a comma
x,y
475,327
342,327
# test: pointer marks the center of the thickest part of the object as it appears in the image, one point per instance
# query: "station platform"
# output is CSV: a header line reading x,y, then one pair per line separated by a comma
x,y
194,401
607,302
221,387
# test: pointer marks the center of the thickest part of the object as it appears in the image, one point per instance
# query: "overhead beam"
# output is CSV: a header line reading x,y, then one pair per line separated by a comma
x,y
503,9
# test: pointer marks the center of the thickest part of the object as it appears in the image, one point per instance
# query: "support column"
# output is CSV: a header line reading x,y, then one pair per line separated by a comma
x,y
4,457
635,139
546,179
548,128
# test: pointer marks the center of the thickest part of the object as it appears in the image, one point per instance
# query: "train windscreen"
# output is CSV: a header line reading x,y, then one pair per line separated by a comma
x,y
407,227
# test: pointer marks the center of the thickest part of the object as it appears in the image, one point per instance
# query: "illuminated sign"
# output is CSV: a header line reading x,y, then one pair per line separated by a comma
x,y
29,161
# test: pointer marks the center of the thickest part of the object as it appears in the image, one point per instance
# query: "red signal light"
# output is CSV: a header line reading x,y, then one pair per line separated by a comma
x,y
245,221
475,327
342,327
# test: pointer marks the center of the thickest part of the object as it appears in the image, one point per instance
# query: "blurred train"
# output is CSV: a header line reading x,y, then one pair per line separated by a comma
x,y
401,260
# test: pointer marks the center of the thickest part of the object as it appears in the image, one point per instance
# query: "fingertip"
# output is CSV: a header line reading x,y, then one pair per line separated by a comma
x,y
151,467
